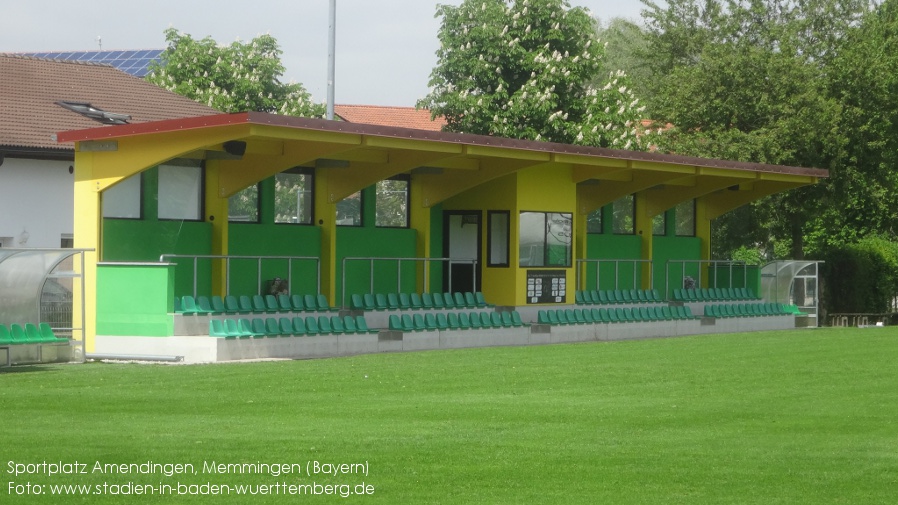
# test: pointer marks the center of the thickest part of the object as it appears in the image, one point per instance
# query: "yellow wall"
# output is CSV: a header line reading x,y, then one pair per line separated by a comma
x,y
542,189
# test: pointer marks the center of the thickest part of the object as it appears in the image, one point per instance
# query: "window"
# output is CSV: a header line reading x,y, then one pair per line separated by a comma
x,y
685,215
349,210
545,239
624,214
391,203
180,191
243,206
498,238
594,221
659,224
293,196
122,201
66,241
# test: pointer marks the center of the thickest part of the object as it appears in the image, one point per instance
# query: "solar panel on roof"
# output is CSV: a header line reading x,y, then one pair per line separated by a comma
x,y
134,62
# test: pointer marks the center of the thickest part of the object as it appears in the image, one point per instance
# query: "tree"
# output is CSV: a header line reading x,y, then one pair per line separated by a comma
x,y
525,69
235,78
747,80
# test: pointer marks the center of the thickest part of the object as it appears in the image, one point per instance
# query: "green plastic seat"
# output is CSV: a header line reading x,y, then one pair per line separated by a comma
x,y
418,322
415,301
449,301
369,302
481,300
438,302
407,323
430,321
460,301
442,322
296,303
474,318
284,304
613,316
349,325
299,326
233,327
356,302
362,325
464,321
395,324
516,320
285,326
217,329
452,320
542,317
393,301
507,321
486,320
471,300
271,304
578,298
427,301
336,323
405,302
380,301
312,328
324,325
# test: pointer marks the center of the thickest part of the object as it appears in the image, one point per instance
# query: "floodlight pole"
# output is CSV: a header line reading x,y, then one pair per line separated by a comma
x,y
331,57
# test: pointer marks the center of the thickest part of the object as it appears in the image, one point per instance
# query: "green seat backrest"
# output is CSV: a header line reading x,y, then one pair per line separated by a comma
x,y
285,325
516,318
311,326
442,321
349,324
452,320
395,323
415,300
299,325
405,301
418,322
296,303
464,322
272,328
430,321
337,327
324,325
470,300
427,300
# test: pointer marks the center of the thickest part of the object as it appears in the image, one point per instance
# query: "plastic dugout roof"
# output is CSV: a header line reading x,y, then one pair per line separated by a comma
x,y
23,273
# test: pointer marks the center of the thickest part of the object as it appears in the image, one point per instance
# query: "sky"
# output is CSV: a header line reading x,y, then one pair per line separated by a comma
x,y
385,49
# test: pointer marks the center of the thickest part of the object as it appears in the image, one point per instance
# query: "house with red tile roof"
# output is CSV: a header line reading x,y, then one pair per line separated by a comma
x,y
41,97
403,117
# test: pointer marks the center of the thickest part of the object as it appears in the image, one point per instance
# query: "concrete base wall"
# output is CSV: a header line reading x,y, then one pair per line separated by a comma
x,y
31,354
201,348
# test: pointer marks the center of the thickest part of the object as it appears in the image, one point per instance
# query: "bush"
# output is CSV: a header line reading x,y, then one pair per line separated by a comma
x,y
861,277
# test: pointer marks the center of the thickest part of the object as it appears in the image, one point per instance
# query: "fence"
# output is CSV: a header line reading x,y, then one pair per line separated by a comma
x,y
636,265
228,259
399,261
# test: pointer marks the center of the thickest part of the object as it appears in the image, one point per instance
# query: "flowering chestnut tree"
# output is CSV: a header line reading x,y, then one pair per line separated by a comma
x,y
238,77
528,69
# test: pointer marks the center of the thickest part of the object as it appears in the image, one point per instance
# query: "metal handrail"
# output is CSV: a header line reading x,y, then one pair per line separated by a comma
x,y
426,261
700,263
636,271
228,258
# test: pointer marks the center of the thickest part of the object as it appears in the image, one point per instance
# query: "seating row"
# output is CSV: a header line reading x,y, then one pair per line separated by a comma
x,y
28,334
256,304
714,294
750,310
615,315
455,321
287,327
610,296
416,301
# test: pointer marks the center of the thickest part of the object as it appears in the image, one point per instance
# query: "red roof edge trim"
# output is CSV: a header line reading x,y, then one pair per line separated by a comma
x,y
167,125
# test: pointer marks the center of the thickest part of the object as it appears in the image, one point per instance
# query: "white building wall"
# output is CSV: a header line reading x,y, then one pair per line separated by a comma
x,y
36,202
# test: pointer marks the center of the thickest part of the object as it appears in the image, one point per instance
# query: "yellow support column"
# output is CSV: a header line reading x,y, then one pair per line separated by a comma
x,y
643,224
217,216
326,217
580,245
419,220
703,232
87,231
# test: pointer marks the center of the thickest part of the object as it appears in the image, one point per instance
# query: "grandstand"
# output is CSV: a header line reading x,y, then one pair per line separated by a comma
x,y
253,235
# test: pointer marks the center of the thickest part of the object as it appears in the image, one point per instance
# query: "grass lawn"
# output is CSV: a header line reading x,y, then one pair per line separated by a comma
x,y
805,416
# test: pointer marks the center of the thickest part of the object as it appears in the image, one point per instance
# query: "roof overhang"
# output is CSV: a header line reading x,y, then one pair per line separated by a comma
x,y
453,162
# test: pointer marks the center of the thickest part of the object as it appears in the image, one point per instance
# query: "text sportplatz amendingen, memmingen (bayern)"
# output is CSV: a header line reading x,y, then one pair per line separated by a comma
x,y
308,468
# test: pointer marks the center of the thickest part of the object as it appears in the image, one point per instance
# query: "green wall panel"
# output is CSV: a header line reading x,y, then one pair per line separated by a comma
x,y
135,300
381,243
273,240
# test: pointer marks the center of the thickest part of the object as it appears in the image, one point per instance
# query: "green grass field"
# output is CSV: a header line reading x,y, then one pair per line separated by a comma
x,y
805,416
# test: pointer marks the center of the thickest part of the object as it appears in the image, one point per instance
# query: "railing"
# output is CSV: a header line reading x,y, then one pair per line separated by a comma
x,y
638,266
700,264
399,262
290,260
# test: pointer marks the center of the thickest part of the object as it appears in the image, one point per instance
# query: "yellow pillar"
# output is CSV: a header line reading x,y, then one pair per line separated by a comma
x,y
643,224
419,220
703,232
87,231
326,217
580,243
217,216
